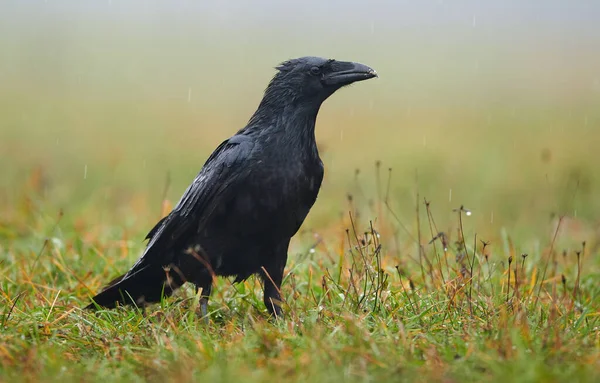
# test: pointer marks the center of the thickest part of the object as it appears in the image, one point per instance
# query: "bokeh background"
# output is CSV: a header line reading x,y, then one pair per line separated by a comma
x,y
494,105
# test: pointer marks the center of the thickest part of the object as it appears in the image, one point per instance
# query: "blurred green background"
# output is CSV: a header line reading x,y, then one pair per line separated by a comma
x,y
494,105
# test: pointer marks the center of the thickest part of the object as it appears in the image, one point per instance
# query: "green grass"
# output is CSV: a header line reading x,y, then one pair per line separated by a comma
x,y
362,303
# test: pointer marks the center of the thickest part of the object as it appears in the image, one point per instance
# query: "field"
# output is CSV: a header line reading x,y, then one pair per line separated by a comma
x,y
456,236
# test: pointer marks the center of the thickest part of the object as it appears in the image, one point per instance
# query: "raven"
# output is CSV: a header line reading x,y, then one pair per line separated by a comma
x,y
249,199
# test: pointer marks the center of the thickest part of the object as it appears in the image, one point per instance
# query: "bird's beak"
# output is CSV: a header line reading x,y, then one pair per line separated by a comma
x,y
347,73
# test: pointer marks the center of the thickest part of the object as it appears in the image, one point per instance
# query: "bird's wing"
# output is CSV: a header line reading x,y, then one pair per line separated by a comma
x,y
223,169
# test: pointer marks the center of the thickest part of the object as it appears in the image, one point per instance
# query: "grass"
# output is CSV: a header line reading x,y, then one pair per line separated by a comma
x,y
364,302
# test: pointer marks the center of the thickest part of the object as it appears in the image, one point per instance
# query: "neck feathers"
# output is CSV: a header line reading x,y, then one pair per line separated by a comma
x,y
283,112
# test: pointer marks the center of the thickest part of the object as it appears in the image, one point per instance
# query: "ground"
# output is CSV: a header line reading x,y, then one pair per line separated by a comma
x,y
514,300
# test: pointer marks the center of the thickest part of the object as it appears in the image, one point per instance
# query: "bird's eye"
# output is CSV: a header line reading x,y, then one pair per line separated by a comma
x,y
315,70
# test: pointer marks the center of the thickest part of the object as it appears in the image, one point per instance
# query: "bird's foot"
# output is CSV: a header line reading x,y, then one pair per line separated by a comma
x,y
203,312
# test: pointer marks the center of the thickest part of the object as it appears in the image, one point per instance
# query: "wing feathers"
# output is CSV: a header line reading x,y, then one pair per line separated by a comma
x,y
199,201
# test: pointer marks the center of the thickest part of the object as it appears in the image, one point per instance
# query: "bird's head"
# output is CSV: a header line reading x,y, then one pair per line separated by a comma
x,y
313,79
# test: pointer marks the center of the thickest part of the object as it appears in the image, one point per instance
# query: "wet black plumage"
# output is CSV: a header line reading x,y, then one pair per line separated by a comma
x,y
249,199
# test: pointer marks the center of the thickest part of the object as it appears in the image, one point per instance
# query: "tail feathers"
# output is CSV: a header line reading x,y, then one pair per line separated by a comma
x,y
146,285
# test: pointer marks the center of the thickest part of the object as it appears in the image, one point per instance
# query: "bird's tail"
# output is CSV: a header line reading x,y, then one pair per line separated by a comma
x,y
146,285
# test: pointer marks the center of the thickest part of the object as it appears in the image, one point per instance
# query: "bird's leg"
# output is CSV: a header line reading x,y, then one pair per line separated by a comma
x,y
272,277
206,289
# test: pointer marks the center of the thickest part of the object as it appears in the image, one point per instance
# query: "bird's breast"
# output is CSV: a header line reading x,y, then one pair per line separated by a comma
x,y
279,194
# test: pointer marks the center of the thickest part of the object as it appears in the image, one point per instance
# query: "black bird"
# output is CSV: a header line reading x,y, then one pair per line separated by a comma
x,y
251,196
